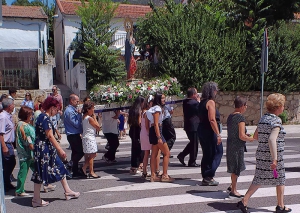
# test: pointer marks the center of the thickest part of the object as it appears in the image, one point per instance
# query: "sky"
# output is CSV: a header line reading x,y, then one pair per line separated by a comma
x,y
11,1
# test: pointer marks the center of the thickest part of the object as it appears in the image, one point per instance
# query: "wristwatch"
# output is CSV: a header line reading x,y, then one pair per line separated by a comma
x,y
158,137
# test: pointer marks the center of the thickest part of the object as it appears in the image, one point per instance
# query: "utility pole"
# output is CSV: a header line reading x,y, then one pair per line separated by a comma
x,y
1,14
2,200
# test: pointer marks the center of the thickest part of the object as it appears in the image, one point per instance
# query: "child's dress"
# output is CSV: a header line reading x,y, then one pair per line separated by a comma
x,y
144,135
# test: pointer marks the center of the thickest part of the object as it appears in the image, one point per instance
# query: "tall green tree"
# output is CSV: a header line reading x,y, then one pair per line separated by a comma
x,y
21,3
38,3
4,2
50,11
269,11
196,45
96,32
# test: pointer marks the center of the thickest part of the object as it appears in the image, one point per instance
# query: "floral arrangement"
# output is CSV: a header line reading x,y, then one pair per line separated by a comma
x,y
126,92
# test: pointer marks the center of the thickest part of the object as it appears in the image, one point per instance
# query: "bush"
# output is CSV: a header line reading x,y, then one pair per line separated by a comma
x,y
198,43
284,63
284,116
195,45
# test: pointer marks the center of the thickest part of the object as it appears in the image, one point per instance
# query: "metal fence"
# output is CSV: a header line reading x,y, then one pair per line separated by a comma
x,y
19,78
119,39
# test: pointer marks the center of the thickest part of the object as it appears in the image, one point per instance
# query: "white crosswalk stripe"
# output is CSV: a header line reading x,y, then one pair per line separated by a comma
x,y
204,195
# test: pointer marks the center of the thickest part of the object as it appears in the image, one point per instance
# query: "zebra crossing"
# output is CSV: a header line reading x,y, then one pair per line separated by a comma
x,y
117,191
186,191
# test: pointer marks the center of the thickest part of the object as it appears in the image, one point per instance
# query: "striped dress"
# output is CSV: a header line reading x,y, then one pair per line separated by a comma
x,y
263,173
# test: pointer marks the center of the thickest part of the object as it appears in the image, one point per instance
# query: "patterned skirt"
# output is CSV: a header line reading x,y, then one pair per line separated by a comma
x,y
47,165
263,173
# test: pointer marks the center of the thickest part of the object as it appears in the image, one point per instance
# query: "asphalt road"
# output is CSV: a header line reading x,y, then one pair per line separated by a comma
x,y
119,192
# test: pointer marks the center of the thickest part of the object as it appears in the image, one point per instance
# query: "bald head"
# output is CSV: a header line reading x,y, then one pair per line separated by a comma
x,y
74,100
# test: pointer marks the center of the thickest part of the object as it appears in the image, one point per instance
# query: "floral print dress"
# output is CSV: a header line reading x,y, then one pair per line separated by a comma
x,y
48,166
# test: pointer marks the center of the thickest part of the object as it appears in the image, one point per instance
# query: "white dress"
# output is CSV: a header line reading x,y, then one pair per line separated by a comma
x,y
89,143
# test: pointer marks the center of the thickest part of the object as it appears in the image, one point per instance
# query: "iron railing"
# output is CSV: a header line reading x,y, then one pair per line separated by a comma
x,y
19,78
119,39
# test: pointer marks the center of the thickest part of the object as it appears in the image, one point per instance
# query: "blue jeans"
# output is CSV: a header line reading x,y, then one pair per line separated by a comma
x,y
212,153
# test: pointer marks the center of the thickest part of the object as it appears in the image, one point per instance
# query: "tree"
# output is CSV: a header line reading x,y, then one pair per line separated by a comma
x,y
196,45
96,33
269,11
38,3
284,10
21,3
3,2
50,11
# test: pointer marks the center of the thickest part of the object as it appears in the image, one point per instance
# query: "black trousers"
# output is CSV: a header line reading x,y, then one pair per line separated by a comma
x,y
168,132
8,163
212,154
113,141
77,150
136,153
191,148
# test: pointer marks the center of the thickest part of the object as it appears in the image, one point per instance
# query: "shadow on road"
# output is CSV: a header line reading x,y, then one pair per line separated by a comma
x,y
26,201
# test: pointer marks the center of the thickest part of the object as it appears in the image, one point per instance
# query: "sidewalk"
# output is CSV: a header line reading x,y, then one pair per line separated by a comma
x,y
292,131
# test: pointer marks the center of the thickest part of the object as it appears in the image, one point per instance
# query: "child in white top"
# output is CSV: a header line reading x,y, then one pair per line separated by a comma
x,y
157,140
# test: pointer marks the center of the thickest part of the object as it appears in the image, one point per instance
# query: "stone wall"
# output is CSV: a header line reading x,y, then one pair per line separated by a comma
x,y
21,95
225,105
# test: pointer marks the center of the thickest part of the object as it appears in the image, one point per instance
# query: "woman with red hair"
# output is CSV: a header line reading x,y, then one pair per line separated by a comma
x,y
48,165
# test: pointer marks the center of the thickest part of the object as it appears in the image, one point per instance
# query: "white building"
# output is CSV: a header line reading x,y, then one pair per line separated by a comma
x,y
65,28
23,47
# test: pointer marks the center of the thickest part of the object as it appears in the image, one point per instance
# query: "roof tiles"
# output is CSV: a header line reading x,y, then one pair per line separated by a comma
x,y
33,12
123,11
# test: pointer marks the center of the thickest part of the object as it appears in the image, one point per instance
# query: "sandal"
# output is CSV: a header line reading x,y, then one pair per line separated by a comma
x,y
282,210
146,176
40,203
167,178
133,171
158,173
140,168
155,179
49,188
231,194
242,207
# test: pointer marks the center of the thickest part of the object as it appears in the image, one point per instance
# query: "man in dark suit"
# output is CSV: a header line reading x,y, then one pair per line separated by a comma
x,y
191,122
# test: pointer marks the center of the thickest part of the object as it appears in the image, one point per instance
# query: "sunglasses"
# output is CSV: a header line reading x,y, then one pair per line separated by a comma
x,y
27,95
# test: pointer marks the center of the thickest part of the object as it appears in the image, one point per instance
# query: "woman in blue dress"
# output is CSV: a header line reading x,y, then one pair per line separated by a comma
x,y
48,165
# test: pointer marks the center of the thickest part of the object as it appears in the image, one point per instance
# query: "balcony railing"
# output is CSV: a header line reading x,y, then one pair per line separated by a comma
x,y
119,39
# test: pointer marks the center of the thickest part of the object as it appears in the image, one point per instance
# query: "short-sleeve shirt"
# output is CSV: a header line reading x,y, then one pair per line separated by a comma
x,y
59,98
167,110
153,110
7,127
24,153
27,103
109,124
43,123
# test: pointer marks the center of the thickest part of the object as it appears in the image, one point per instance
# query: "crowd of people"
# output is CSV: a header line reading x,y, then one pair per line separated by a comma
x,y
152,134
